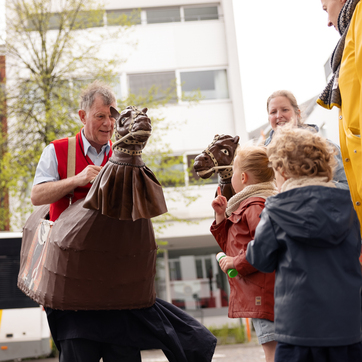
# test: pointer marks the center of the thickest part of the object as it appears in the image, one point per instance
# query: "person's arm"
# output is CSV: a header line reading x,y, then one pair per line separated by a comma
x,y
251,217
262,252
47,187
357,25
220,233
49,192
339,175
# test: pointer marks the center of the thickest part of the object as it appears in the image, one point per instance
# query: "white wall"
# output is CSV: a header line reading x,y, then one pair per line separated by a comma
x,y
197,125
170,46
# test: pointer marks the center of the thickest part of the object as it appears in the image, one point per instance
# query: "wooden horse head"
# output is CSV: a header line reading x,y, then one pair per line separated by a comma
x,y
218,157
132,130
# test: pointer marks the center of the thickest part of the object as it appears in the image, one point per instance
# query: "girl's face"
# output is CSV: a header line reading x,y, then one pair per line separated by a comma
x,y
279,179
281,112
236,180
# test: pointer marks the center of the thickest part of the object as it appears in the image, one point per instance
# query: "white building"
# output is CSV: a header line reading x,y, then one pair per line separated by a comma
x,y
194,42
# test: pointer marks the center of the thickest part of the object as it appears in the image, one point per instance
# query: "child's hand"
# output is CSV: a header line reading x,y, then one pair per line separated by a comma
x,y
226,263
220,203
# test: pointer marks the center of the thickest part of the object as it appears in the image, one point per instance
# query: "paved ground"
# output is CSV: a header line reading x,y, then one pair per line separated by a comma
x,y
246,352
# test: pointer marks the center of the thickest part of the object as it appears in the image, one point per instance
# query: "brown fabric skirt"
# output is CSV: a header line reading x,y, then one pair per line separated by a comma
x,y
88,261
126,192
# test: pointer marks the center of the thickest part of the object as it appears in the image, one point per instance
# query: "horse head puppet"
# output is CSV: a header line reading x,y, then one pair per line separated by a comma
x,y
218,157
126,188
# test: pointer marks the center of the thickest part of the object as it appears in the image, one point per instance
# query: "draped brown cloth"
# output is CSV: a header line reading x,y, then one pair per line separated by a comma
x,y
126,189
91,261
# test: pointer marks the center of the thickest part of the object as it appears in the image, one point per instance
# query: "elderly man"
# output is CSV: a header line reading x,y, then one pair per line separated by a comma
x,y
344,89
79,335
51,185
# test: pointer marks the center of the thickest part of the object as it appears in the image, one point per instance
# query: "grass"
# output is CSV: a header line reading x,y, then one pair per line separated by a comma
x,y
229,335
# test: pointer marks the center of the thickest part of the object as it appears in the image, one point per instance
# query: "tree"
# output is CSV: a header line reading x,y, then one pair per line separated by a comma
x,y
53,49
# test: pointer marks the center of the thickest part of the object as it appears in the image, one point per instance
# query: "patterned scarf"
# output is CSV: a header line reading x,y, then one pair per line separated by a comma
x,y
263,189
331,95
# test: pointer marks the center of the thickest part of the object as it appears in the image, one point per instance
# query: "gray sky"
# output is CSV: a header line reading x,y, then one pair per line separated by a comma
x,y
282,44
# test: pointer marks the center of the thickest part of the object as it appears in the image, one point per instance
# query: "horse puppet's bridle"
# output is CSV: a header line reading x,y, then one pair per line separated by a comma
x,y
227,169
134,114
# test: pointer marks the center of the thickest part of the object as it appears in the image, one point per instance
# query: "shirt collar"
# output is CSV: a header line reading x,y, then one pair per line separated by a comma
x,y
87,145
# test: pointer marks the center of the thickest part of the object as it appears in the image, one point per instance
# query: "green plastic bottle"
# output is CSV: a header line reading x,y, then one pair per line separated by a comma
x,y
231,272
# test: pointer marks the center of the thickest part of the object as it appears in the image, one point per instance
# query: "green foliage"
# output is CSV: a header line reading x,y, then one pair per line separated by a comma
x,y
229,335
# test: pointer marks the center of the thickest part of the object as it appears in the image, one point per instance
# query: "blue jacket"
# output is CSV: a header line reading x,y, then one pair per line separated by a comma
x,y
311,237
339,176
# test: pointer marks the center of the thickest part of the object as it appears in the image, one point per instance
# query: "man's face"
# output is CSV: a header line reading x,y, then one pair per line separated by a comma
x,y
333,8
98,123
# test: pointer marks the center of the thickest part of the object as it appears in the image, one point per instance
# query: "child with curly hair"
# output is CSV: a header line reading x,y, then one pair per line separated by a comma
x,y
251,292
309,235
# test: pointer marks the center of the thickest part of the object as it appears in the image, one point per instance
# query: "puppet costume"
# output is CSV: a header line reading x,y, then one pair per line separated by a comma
x,y
94,268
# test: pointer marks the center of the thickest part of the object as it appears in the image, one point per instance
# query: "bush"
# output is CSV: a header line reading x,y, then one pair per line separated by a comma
x,y
229,335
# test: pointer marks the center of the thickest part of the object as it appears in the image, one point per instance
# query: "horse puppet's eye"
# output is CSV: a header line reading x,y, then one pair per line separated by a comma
x,y
225,151
123,120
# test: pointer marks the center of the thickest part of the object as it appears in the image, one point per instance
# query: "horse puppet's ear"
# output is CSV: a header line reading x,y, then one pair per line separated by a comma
x,y
115,114
144,110
236,139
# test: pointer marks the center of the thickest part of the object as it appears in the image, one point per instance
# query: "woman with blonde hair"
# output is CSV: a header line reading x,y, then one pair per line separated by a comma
x,y
283,109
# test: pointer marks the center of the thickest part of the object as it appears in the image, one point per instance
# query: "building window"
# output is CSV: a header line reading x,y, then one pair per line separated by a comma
x,y
162,85
175,270
199,271
163,15
83,20
120,17
196,281
201,13
211,83
89,19
54,21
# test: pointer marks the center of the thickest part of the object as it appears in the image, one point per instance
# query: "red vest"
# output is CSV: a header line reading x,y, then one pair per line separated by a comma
x,y
81,162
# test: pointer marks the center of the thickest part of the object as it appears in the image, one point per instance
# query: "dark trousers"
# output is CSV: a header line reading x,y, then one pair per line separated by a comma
x,y
291,353
84,350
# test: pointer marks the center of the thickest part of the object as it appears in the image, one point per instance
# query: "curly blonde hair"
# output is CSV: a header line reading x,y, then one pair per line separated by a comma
x,y
298,152
254,159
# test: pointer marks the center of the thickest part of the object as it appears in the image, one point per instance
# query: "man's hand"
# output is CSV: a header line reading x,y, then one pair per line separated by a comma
x,y
49,192
87,175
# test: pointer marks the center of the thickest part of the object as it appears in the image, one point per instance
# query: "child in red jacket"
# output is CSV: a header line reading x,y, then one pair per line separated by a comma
x,y
251,291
